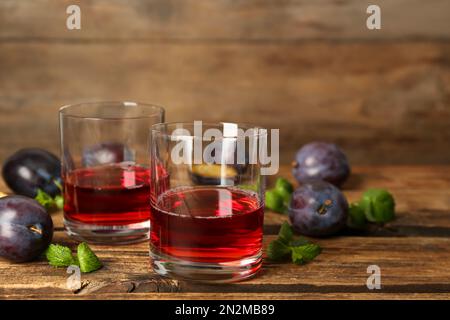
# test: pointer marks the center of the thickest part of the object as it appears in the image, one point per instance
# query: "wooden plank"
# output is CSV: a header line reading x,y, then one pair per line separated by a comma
x,y
200,20
235,296
341,268
391,98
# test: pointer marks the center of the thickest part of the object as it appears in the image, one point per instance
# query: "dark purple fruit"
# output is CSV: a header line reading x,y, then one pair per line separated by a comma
x,y
26,229
318,208
323,161
106,153
30,169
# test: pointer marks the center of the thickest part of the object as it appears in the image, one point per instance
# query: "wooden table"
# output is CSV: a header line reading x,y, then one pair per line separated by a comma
x,y
413,253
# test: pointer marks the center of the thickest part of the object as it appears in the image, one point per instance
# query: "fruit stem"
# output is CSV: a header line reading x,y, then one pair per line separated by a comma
x,y
35,229
325,206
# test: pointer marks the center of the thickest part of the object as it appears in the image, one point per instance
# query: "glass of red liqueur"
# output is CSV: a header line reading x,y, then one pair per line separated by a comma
x,y
207,201
105,170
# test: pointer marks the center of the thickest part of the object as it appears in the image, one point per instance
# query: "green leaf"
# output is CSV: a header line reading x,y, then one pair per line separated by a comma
x,y
310,251
48,202
305,253
283,184
284,188
274,201
277,250
59,202
300,249
285,234
44,199
60,256
356,216
378,205
88,260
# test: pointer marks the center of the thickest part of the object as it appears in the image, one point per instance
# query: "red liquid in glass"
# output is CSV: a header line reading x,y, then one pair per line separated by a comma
x,y
117,194
207,224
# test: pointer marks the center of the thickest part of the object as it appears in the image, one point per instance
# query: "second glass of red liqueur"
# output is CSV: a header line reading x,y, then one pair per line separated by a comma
x,y
105,170
207,201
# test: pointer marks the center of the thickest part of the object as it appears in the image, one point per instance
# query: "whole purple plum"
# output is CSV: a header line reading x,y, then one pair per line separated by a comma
x,y
318,208
31,169
322,161
26,229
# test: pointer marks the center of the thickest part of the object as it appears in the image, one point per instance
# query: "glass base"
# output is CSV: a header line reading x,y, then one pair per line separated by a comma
x,y
225,272
101,234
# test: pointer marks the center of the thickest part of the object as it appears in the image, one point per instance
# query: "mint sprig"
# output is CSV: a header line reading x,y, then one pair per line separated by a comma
x,y
378,205
299,250
277,199
88,260
356,216
48,202
278,250
61,256
305,253
375,206
286,234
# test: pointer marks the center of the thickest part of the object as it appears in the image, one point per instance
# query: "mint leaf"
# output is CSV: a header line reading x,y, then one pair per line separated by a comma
x,y
305,253
278,198
48,202
44,199
277,250
59,202
60,256
356,216
88,260
297,256
284,188
300,249
274,201
283,184
285,234
378,205
310,251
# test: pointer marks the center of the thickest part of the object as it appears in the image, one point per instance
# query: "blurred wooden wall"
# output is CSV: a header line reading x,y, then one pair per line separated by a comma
x,y
310,68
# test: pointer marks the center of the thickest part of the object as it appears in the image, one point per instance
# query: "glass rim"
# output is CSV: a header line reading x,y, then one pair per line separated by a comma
x,y
65,110
259,131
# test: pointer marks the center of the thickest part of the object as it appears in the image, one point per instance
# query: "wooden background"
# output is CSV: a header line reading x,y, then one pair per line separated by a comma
x,y
311,68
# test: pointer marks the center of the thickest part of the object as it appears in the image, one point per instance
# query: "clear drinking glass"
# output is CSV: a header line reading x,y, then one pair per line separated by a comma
x,y
207,201
105,170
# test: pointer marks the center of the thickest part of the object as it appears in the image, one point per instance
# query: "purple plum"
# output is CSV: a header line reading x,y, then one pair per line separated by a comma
x,y
318,208
323,161
31,169
26,229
